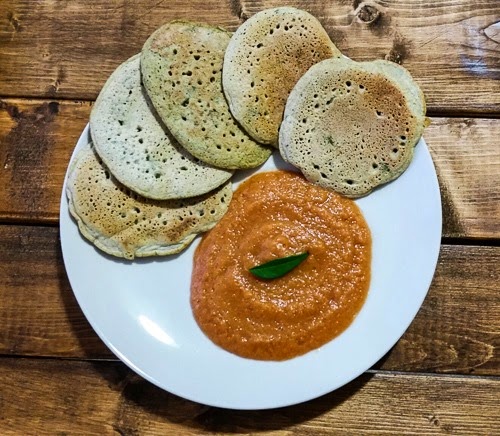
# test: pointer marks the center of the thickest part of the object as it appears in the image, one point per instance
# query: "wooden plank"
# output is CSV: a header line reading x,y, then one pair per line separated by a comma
x,y
36,142
39,314
49,49
107,398
455,331
466,154
458,327
37,138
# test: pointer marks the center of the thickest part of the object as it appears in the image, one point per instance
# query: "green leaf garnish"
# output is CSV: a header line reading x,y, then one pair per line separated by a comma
x,y
278,267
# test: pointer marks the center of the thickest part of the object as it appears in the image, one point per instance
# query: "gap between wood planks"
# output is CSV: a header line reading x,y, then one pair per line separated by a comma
x,y
445,240
471,242
431,113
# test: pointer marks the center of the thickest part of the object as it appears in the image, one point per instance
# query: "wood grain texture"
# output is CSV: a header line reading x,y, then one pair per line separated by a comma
x,y
466,154
38,136
36,142
53,54
106,398
457,329
50,49
38,311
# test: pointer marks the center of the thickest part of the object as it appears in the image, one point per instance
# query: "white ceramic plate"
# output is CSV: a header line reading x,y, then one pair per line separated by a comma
x,y
141,309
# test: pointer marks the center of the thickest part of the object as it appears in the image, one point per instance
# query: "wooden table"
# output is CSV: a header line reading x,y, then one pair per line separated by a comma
x,y
58,377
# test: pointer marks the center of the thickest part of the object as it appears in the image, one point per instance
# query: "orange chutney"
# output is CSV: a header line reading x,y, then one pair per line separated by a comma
x,y
273,215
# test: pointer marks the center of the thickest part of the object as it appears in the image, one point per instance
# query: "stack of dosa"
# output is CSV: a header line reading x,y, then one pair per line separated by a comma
x,y
172,124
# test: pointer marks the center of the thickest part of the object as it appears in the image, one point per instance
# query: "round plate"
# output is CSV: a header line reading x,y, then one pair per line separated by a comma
x,y
141,309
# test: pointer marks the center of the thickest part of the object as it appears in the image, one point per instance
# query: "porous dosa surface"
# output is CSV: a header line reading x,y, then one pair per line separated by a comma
x,y
181,68
137,148
124,224
264,60
351,126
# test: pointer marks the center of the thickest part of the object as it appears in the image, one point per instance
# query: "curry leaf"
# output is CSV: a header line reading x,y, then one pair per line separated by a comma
x,y
278,267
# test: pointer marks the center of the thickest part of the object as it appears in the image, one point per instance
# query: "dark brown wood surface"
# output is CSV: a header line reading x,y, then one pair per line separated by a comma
x,y
37,138
442,376
46,394
67,49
